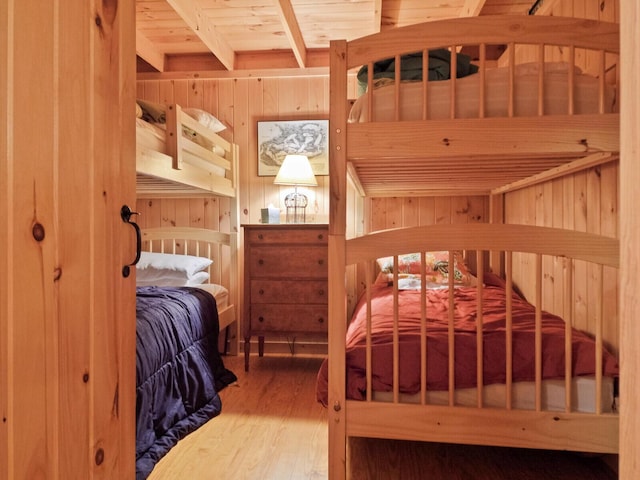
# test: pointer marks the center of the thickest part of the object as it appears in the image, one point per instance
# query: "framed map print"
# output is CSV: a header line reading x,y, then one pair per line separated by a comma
x,y
279,138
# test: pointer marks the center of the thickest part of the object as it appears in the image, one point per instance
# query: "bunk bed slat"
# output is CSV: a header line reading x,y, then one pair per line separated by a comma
x,y
178,166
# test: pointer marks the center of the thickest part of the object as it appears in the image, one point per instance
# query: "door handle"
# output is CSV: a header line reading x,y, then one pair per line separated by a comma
x,y
125,214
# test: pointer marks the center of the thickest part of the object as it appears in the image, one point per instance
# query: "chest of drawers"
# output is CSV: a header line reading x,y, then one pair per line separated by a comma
x,y
285,282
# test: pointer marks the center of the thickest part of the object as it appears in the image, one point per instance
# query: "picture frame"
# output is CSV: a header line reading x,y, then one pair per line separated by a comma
x,y
278,138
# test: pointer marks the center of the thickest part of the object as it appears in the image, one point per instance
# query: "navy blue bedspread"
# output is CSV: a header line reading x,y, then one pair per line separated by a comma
x,y
179,370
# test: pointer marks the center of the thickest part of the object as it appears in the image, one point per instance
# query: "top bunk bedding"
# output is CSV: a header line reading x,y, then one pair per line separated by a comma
x,y
491,94
549,101
179,153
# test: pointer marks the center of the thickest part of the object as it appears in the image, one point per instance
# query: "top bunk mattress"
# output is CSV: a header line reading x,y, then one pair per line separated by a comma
x,y
495,96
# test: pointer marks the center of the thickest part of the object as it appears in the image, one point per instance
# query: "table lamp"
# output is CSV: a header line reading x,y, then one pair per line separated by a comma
x,y
296,171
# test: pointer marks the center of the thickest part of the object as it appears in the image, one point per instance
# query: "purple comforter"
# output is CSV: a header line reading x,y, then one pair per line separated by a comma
x,y
179,371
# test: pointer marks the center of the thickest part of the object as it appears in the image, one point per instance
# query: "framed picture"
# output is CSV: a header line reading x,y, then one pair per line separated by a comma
x,y
279,138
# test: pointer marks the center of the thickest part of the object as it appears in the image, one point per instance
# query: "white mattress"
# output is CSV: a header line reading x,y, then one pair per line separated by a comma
x,y
496,96
523,396
150,135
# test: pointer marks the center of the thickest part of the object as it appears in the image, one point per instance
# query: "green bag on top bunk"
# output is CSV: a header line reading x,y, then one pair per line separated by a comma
x,y
411,68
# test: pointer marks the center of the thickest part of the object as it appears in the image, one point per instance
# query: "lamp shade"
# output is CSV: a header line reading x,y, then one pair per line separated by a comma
x,y
296,170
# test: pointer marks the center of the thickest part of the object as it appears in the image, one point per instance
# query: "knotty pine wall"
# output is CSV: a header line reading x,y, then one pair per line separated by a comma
x,y
586,201
240,103
394,212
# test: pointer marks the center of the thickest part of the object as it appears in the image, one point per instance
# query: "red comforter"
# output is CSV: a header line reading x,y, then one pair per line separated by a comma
x,y
494,319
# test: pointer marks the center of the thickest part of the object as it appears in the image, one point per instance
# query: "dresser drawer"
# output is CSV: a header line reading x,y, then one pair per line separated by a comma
x,y
286,318
308,262
289,291
270,236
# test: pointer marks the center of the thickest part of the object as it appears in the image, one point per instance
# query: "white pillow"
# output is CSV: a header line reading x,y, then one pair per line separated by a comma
x,y
169,269
198,279
205,119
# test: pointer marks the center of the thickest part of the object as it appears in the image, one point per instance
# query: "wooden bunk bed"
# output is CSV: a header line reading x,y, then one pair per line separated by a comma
x,y
478,150
221,247
179,368
178,155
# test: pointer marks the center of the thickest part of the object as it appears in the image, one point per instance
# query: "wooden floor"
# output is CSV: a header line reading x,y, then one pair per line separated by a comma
x,y
271,428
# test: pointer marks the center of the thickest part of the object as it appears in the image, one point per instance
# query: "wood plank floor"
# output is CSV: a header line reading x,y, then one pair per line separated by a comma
x,y
271,428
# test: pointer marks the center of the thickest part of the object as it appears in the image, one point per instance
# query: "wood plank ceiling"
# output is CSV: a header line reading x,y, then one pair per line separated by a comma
x,y
232,35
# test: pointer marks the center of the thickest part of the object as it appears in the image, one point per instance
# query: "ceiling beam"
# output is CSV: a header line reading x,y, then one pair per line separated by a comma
x,y
292,30
148,52
472,8
194,16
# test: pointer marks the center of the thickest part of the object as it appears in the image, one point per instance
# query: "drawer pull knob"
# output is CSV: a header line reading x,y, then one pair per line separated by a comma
x,y
321,292
321,320
321,262
260,262
261,292
320,236
261,319
260,237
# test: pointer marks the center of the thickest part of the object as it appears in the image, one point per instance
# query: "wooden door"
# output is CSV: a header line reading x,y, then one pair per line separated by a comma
x,y
67,165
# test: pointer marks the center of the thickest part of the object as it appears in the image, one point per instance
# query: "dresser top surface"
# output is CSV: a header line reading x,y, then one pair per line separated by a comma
x,y
286,226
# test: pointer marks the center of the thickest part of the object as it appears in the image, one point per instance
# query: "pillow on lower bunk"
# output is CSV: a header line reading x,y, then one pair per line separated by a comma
x,y
436,268
198,279
167,269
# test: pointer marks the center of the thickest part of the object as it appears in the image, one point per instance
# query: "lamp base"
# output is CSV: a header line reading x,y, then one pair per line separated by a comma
x,y
296,204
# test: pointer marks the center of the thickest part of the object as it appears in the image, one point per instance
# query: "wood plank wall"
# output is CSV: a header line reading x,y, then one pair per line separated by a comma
x,y
240,103
586,201
394,212
590,186
588,198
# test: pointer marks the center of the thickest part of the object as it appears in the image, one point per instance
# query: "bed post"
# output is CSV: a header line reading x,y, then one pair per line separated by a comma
x,y
496,215
337,257
232,333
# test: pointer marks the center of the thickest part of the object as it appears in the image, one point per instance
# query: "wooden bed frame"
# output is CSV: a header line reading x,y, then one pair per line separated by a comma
x,y
221,247
464,157
182,167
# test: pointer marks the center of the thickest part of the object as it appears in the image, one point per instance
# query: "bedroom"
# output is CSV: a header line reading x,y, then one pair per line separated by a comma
x,y
234,101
